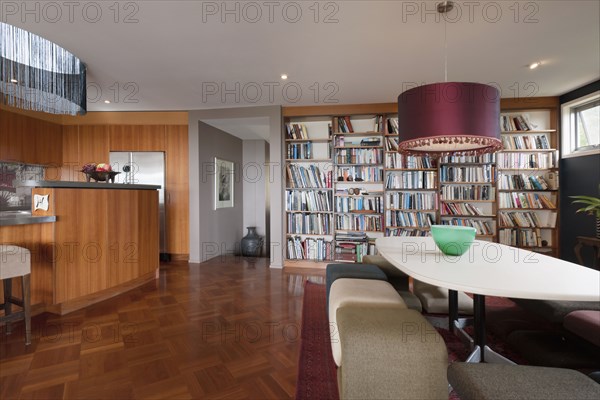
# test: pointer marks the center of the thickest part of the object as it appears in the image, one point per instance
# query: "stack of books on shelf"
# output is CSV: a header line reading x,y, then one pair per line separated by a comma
x,y
358,222
378,123
531,142
526,161
526,220
299,151
345,125
522,238
411,180
406,232
296,131
516,122
460,209
402,161
359,156
483,173
391,144
308,200
523,182
482,227
311,177
309,249
392,125
525,200
352,246
359,174
309,224
373,204
468,159
468,192
409,219
411,201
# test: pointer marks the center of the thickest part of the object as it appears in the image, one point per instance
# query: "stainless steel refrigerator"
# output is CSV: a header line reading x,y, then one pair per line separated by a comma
x,y
144,167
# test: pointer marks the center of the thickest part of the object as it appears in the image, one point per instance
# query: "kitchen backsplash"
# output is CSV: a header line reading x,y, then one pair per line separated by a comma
x,y
12,198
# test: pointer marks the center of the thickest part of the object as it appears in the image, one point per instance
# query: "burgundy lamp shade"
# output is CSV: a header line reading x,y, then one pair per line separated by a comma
x,y
452,117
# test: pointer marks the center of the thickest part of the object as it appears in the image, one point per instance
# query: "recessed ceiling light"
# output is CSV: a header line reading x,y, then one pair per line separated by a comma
x,y
107,101
14,81
284,76
534,65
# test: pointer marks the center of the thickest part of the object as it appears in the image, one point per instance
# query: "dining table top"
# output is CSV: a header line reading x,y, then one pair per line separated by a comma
x,y
492,269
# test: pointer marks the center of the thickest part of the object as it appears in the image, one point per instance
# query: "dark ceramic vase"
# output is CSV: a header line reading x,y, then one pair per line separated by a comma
x,y
252,243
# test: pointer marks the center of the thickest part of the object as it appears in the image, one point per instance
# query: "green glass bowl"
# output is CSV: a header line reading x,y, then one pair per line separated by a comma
x,y
453,240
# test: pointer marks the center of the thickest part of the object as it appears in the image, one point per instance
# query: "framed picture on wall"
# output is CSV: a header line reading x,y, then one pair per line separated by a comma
x,y
224,179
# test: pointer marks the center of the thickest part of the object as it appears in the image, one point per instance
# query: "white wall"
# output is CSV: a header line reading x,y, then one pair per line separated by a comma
x,y
255,179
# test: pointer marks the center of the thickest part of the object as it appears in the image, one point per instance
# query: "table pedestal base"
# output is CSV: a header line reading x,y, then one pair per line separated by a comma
x,y
489,355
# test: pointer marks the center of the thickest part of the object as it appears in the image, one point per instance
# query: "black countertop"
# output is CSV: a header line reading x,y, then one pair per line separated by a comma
x,y
83,185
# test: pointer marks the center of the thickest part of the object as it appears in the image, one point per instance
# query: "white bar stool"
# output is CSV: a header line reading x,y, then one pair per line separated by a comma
x,y
15,262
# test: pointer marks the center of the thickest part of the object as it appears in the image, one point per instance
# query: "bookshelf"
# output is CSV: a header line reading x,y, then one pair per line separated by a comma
x,y
528,190
358,156
468,193
308,203
365,189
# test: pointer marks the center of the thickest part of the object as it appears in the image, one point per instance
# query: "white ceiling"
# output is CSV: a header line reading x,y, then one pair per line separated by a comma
x,y
169,55
249,128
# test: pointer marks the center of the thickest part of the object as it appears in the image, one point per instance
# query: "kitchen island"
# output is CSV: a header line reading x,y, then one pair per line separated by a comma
x,y
104,240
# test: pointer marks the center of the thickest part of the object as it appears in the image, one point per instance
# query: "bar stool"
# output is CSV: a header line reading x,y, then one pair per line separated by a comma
x,y
15,261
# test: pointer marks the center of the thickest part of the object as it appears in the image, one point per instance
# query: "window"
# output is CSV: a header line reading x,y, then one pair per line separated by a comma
x,y
581,126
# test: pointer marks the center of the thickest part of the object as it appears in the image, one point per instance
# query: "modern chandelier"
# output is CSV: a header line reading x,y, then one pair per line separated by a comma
x,y
449,117
38,75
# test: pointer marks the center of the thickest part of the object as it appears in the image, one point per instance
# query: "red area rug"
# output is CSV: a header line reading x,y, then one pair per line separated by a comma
x,y
317,376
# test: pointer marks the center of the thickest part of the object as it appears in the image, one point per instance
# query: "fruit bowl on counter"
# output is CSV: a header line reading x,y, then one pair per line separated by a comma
x,y
99,172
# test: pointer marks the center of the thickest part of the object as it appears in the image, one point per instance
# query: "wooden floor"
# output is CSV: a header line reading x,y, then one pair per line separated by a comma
x,y
225,329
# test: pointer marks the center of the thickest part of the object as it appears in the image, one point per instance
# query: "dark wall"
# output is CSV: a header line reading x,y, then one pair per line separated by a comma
x,y
578,176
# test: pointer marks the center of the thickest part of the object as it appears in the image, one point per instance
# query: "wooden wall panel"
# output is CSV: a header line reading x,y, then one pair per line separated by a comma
x,y
137,138
177,195
93,144
70,151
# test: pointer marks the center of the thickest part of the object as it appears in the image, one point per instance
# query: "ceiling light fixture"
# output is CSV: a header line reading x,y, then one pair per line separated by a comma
x,y
449,117
284,77
51,79
534,65
107,101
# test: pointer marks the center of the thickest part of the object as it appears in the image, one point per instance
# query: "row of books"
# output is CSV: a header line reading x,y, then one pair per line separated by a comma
x,y
359,203
483,173
359,174
379,123
468,192
482,227
353,252
525,200
359,222
529,142
345,125
341,141
311,177
525,220
411,201
391,144
351,237
392,125
309,249
468,159
460,209
397,161
406,232
409,219
516,122
309,224
299,151
519,182
527,161
359,156
296,131
308,200
411,180
522,238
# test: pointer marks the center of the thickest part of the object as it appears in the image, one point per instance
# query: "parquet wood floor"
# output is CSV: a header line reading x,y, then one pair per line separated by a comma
x,y
224,329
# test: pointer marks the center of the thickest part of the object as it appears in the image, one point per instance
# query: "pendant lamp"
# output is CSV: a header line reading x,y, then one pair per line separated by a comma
x,y
450,117
38,75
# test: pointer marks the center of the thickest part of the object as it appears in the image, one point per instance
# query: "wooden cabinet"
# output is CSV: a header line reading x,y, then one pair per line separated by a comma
x,y
93,144
137,137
